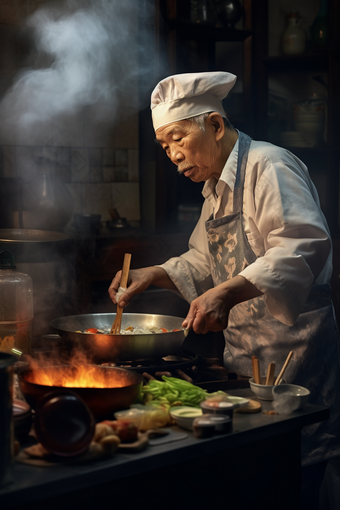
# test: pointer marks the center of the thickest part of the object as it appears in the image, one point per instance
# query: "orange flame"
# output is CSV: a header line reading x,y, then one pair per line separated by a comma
x,y
76,376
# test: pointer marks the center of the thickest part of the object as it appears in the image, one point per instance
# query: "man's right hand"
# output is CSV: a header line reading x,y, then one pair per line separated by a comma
x,y
139,280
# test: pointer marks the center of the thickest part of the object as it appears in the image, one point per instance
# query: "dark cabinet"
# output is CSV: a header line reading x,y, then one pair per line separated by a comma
x,y
297,77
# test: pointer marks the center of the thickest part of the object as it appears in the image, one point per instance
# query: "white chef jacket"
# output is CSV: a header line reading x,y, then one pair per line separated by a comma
x,y
284,225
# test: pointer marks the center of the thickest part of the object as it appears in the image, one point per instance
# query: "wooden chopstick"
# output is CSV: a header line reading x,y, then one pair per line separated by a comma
x,y
279,377
270,374
115,330
256,370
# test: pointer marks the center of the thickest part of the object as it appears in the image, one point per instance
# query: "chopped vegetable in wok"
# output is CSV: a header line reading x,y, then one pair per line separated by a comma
x,y
130,330
174,392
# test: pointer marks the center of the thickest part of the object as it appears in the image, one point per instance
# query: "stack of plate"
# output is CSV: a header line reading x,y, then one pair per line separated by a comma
x,y
294,139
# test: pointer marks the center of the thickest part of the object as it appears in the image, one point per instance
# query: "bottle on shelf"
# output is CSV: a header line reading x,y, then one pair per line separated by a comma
x,y
318,29
294,37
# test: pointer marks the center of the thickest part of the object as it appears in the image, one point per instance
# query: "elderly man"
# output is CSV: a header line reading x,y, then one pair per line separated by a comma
x,y
259,260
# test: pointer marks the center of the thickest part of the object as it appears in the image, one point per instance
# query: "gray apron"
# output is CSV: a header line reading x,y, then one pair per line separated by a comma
x,y
253,331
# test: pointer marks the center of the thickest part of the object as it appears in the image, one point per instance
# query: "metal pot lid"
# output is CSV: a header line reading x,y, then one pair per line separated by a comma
x,y
17,235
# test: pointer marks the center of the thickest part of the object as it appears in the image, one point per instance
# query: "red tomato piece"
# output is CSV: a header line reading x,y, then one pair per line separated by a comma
x,y
91,330
164,330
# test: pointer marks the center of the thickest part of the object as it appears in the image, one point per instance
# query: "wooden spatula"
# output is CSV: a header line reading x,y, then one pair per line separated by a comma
x,y
115,330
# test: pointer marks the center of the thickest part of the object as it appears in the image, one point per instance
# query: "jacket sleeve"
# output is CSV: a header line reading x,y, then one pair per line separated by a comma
x,y
296,241
191,271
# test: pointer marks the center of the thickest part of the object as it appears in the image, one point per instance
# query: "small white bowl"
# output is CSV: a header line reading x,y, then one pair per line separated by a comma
x,y
184,416
299,395
263,391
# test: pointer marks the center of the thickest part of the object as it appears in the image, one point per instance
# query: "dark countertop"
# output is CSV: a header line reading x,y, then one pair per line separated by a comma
x,y
33,484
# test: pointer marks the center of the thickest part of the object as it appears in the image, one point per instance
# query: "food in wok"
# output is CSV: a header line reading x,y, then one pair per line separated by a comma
x,y
130,330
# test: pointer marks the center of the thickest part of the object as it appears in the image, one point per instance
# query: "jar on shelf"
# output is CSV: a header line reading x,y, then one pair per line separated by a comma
x,y
294,37
318,30
202,12
16,306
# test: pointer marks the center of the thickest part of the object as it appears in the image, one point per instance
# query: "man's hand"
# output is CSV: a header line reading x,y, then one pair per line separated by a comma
x,y
210,311
139,280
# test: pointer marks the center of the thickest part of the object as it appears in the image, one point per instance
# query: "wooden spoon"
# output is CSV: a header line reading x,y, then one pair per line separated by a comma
x,y
115,330
279,377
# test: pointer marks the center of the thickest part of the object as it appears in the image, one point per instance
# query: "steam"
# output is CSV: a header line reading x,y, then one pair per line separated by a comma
x,y
85,52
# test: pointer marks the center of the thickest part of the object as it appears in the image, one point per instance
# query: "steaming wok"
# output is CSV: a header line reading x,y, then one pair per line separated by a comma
x,y
121,347
102,402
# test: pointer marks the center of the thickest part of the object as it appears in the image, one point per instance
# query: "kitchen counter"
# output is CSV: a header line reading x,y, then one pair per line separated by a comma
x,y
257,464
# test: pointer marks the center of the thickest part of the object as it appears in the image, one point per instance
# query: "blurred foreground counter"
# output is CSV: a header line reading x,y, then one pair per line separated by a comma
x,y
257,466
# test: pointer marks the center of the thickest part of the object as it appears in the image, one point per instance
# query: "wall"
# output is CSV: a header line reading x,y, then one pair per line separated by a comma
x,y
93,148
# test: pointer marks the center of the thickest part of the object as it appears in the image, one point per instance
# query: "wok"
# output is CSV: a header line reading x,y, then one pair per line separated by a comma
x,y
102,402
121,347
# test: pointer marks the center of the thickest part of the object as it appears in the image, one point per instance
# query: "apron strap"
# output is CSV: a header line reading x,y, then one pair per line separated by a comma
x,y
244,142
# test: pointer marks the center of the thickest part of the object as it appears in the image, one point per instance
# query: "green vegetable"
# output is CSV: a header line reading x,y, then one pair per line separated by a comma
x,y
172,391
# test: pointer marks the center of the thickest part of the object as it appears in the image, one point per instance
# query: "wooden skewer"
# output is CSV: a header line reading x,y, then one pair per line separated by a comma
x,y
279,377
270,374
115,330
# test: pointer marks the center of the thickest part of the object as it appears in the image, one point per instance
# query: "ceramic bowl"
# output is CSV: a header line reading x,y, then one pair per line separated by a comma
x,y
263,391
63,423
298,395
184,416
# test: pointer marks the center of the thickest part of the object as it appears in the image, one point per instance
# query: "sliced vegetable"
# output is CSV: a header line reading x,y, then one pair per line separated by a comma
x,y
172,391
91,330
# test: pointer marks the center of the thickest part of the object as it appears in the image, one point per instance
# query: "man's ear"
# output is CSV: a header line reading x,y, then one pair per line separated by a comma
x,y
216,120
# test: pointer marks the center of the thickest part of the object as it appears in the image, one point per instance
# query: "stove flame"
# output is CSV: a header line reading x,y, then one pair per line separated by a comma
x,y
77,376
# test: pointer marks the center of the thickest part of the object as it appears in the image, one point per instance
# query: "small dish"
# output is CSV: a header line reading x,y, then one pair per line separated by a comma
x,y
296,396
184,416
263,391
225,405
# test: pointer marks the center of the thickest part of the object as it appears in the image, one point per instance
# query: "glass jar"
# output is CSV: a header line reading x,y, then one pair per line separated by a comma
x,y
202,12
16,306
294,37
319,27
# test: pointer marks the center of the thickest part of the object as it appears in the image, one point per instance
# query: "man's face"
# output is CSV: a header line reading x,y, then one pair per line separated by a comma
x,y
194,152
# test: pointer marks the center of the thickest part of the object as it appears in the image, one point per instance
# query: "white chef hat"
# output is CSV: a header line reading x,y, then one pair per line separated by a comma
x,y
182,96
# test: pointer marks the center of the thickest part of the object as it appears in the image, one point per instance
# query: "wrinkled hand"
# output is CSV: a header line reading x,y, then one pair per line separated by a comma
x,y
208,312
139,280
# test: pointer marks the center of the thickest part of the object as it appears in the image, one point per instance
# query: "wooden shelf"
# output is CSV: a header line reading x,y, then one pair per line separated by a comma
x,y
302,63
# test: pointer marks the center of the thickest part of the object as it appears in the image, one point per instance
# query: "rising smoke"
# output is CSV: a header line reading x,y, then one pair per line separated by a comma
x,y
85,52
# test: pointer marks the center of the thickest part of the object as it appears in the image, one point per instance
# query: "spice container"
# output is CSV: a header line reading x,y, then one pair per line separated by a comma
x,y
208,425
16,306
223,404
203,427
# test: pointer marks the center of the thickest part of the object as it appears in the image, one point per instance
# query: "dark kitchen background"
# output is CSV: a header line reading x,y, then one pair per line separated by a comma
x,y
77,151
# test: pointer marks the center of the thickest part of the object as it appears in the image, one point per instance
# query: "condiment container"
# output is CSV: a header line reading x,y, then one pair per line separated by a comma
x,y
202,427
16,306
222,405
6,422
209,424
